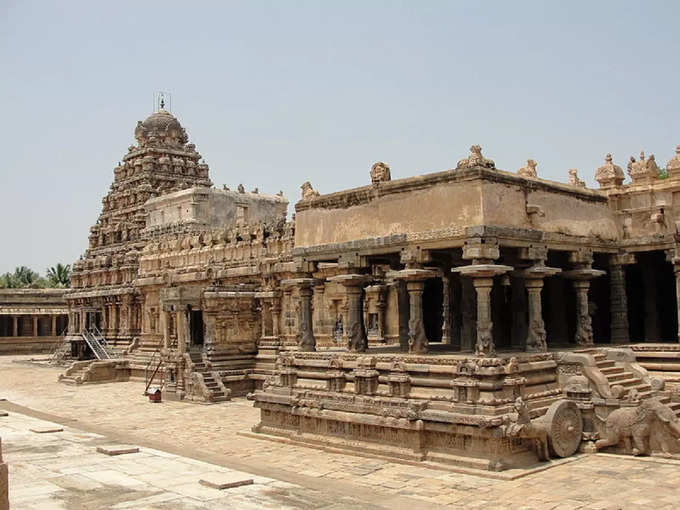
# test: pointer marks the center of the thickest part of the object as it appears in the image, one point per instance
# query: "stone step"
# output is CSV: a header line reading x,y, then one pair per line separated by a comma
x,y
616,378
631,382
605,364
612,370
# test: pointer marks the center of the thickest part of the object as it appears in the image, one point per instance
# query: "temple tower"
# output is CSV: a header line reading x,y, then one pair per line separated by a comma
x,y
103,297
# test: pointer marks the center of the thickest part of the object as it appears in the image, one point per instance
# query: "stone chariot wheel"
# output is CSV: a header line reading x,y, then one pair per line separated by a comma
x,y
565,428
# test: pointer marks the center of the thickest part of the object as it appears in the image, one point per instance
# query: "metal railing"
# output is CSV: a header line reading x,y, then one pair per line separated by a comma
x,y
148,380
97,343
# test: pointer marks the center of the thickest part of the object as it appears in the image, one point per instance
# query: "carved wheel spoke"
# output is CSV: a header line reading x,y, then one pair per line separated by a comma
x,y
565,428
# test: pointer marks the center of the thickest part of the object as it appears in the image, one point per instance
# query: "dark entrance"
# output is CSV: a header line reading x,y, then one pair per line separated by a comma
x,y
652,303
558,301
432,309
197,328
93,320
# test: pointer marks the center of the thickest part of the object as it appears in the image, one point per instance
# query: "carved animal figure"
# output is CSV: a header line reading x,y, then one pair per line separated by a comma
x,y
529,170
308,191
476,159
636,424
523,426
380,172
574,179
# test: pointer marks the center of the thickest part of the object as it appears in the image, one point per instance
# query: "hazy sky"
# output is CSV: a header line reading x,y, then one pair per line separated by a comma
x,y
277,93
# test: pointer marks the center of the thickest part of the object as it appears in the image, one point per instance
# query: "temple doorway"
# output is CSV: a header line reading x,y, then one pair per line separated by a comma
x,y
433,299
197,328
558,301
652,301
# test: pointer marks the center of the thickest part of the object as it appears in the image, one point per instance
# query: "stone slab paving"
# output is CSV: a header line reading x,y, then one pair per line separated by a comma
x,y
314,478
65,471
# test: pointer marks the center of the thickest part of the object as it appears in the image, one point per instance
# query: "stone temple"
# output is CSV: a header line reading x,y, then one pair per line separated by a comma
x,y
471,317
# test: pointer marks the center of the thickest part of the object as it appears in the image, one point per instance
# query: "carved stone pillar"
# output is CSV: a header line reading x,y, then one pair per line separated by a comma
x,y
263,315
276,314
356,329
305,335
210,320
536,335
182,327
318,308
164,320
581,281
35,325
446,309
15,325
415,284
125,315
533,280
485,344
482,279
584,327
403,307
417,339
54,325
618,299
114,319
381,307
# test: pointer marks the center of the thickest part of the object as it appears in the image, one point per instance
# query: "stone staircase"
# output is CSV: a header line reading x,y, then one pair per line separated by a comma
x,y
617,375
74,374
212,387
139,358
660,359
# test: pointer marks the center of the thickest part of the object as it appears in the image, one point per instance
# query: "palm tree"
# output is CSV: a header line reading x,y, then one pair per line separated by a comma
x,y
59,275
25,276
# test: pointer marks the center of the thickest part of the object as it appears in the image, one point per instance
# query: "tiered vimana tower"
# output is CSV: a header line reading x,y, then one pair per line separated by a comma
x,y
103,299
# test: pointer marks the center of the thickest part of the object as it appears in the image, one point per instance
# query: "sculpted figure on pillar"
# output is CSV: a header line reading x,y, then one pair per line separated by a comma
x,y
529,170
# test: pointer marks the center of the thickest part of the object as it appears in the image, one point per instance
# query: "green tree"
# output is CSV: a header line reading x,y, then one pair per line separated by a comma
x,y
59,275
22,278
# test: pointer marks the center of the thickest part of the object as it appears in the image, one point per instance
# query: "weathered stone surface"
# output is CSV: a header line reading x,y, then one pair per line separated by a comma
x,y
46,430
223,481
117,449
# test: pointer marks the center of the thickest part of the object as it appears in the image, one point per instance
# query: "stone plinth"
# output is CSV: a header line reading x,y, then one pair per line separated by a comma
x,y
448,409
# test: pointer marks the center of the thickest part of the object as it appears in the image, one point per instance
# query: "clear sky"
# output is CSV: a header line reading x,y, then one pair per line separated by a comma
x,y
276,93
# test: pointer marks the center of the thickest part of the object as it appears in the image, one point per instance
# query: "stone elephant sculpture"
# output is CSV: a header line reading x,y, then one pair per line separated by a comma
x,y
636,424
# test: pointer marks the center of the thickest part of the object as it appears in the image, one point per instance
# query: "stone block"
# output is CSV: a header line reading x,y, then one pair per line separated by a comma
x,y
225,480
117,449
46,430
4,413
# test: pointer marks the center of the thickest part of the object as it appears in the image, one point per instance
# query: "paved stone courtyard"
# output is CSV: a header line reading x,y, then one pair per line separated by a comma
x,y
180,441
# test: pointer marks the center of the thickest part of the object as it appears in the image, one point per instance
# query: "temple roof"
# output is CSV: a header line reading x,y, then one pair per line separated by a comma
x,y
161,128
